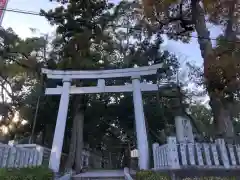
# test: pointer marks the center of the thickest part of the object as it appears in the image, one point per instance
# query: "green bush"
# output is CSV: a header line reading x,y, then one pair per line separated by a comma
x,y
35,173
150,175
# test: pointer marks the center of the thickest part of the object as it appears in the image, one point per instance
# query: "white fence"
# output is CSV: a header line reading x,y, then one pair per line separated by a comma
x,y
207,155
96,160
46,151
17,157
92,159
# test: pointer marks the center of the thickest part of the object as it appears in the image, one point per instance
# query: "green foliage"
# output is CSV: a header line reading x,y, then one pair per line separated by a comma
x,y
150,175
36,173
19,71
82,27
203,118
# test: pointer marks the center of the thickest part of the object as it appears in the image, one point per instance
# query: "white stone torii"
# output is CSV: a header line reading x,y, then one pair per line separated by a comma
x,y
136,87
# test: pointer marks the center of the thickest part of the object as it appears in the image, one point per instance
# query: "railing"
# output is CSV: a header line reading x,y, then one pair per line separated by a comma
x,y
17,157
161,156
47,153
210,155
89,158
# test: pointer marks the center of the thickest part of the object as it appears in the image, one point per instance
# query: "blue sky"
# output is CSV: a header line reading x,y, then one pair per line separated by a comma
x,y
22,23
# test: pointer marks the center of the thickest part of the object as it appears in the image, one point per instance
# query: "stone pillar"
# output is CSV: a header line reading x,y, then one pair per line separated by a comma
x,y
183,130
56,151
142,141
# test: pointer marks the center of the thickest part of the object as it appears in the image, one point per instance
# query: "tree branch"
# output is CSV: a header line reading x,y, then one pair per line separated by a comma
x,y
11,95
18,63
8,93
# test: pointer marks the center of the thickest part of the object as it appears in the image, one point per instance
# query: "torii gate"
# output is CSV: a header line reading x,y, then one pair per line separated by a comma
x,y
136,87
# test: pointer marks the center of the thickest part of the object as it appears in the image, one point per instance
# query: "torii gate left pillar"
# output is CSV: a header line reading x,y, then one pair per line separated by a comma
x,y
142,141
136,87
58,138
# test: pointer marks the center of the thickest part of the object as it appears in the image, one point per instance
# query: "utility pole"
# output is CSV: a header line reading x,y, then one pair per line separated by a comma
x,y
41,83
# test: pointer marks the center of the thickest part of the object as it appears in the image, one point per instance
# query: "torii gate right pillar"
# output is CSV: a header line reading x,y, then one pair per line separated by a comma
x,y
142,140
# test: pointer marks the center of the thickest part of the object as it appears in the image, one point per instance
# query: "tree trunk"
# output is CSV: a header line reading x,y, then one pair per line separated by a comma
x,y
43,135
225,124
221,113
72,148
222,116
79,141
76,145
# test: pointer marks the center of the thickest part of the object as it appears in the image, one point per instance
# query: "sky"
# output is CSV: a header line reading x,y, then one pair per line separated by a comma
x,y
21,24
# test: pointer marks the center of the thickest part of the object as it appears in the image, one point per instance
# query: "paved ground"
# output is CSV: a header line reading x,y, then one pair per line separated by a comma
x,y
102,173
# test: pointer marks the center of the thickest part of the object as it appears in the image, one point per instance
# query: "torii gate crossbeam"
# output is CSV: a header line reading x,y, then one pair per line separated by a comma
x,y
136,87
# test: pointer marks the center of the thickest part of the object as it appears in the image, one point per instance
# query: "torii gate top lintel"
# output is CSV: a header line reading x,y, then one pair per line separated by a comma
x,y
101,74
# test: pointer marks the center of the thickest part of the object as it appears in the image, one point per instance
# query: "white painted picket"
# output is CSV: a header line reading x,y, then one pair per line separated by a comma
x,y
18,157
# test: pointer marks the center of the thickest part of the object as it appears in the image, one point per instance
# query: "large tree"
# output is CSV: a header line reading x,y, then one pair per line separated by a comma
x,y
220,70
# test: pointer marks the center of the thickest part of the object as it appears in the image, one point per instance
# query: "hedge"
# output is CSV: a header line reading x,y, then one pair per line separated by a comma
x,y
35,173
150,175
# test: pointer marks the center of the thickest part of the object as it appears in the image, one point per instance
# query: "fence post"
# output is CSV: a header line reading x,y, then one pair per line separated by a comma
x,y
22,158
155,155
223,152
11,159
27,157
5,156
40,150
18,157
173,159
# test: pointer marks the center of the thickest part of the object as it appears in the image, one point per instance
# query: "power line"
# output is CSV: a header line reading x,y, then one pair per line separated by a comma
x,y
22,11
185,35
174,34
201,37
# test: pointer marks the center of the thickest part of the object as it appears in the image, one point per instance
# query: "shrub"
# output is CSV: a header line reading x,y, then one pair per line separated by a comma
x,y
150,175
35,173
